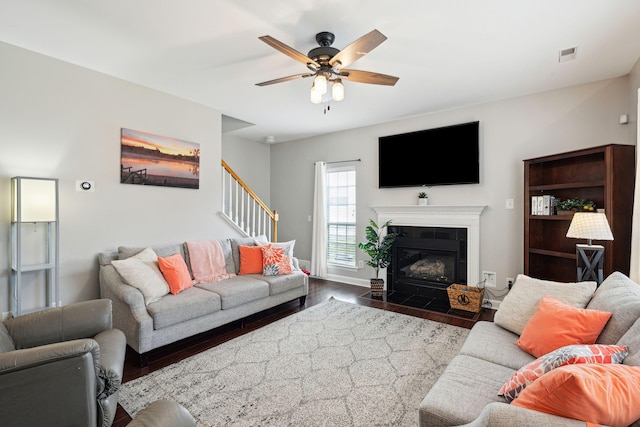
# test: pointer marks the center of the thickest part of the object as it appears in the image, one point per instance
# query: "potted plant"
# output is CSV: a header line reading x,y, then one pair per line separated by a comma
x,y
378,247
574,205
423,199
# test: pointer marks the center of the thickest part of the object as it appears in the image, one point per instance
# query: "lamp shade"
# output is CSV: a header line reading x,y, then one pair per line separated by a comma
x,y
34,199
590,225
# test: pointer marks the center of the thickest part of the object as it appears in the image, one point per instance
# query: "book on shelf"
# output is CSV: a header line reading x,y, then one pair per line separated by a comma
x,y
540,205
548,202
543,205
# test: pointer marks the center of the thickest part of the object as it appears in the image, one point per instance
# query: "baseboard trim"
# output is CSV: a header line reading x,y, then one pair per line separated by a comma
x,y
348,280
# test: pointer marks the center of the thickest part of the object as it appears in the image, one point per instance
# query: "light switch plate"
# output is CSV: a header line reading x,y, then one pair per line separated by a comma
x,y
508,204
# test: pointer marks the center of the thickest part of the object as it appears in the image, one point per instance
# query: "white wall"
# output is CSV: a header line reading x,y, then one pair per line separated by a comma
x,y
63,121
510,131
251,161
634,85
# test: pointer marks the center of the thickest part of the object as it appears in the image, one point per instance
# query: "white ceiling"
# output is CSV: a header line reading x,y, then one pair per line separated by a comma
x,y
447,53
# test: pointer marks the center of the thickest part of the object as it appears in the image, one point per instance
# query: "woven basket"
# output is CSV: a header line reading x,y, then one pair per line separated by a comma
x,y
377,286
467,298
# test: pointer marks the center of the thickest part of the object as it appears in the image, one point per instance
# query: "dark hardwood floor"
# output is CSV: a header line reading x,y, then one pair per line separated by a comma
x,y
319,291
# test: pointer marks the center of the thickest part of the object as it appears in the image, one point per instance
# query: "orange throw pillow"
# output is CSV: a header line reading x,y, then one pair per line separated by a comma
x,y
274,261
556,324
250,259
602,394
175,272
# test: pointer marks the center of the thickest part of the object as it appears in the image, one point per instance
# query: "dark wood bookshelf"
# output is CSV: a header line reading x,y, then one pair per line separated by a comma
x,y
604,174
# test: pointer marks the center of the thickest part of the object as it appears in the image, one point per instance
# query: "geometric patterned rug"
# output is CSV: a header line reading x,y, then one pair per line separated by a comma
x,y
333,364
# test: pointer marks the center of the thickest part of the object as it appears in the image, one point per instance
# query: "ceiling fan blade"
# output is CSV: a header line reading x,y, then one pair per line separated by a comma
x,y
289,51
357,49
285,79
369,77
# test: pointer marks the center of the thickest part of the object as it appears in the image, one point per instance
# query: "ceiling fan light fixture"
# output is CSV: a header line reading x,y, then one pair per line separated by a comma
x,y
327,65
337,90
315,97
320,84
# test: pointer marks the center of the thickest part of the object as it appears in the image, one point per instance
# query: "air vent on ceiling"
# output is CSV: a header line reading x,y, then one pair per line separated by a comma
x,y
567,54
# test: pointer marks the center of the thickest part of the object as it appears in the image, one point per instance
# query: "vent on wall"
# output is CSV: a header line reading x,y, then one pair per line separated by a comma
x,y
567,54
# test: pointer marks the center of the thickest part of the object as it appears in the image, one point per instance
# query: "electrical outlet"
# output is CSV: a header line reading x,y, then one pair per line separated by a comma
x,y
360,264
509,282
306,264
489,279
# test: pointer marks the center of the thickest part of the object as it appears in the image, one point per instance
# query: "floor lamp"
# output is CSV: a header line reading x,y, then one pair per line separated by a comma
x,y
590,226
34,201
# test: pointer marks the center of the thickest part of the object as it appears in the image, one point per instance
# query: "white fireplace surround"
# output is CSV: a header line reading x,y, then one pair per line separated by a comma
x,y
441,216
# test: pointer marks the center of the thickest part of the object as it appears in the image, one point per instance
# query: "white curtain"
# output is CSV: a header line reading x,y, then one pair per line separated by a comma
x,y
634,272
319,237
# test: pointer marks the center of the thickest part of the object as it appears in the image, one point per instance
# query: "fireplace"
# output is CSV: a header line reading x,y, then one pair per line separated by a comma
x,y
442,243
442,217
426,260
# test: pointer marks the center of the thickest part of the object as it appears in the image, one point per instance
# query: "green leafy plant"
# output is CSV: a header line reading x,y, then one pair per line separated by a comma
x,y
422,195
577,204
377,246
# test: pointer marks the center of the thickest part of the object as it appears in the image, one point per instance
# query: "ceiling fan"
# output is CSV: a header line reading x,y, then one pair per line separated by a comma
x,y
327,64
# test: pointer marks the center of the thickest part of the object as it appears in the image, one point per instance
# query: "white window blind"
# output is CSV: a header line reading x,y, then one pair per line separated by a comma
x,y
341,216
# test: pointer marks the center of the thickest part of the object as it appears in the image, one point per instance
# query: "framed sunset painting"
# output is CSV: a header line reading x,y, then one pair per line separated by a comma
x,y
148,159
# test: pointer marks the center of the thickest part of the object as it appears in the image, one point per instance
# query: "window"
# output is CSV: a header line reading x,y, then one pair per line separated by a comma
x,y
341,216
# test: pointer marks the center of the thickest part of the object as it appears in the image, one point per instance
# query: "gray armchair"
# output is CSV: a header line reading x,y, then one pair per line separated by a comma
x,y
61,367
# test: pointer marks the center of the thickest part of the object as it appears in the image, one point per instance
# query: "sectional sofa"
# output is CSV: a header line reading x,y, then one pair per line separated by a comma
x,y
199,308
467,391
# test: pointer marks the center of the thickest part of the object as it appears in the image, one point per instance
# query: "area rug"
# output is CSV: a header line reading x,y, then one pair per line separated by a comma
x,y
333,364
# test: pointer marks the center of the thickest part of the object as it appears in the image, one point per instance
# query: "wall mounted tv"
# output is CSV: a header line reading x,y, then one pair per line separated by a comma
x,y
440,156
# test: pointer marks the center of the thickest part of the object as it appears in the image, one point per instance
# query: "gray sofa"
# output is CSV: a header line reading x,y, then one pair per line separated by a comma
x,y
197,309
467,391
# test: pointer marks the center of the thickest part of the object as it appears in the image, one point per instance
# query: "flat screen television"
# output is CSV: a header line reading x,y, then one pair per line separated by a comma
x,y
441,156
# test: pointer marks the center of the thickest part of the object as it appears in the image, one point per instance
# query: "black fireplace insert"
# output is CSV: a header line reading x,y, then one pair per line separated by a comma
x,y
426,260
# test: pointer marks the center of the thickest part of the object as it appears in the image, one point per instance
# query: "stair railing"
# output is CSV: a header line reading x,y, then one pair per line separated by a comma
x,y
244,209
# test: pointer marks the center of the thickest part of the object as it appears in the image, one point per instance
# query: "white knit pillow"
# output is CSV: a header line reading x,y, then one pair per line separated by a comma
x,y
520,304
142,271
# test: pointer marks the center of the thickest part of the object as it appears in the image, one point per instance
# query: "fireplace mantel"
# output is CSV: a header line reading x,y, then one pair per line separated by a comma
x,y
441,216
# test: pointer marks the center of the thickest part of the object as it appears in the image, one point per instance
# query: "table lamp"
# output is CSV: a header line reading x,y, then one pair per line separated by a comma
x,y
590,226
